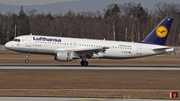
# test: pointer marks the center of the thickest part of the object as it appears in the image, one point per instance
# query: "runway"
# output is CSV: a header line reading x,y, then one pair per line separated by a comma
x,y
70,99
86,68
59,72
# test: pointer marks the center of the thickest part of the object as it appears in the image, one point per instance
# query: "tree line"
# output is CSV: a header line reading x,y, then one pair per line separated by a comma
x,y
121,22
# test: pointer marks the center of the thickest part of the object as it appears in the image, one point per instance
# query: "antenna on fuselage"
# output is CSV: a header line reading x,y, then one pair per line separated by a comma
x,y
30,34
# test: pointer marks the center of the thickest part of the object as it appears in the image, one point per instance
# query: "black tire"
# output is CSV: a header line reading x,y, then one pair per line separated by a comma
x,y
84,63
26,61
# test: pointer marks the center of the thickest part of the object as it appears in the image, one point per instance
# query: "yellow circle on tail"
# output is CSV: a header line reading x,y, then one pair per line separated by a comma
x,y
161,31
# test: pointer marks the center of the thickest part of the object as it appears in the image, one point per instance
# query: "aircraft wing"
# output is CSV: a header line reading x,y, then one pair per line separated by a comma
x,y
86,52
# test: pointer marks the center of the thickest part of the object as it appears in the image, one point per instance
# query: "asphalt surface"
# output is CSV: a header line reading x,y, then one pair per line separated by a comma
x,y
87,68
70,99
176,68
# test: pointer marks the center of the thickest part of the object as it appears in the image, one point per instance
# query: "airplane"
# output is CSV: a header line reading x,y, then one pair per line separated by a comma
x,y
67,49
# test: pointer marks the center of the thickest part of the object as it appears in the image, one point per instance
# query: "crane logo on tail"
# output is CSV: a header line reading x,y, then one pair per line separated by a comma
x,y
161,31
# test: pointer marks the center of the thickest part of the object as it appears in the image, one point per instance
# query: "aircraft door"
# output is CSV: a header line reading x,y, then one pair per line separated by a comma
x,y
28,41
139,49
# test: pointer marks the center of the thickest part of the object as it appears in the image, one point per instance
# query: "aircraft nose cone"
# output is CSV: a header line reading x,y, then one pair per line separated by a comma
x,y
7,45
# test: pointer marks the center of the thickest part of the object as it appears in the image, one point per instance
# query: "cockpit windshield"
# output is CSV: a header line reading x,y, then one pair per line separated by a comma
x,y
16,40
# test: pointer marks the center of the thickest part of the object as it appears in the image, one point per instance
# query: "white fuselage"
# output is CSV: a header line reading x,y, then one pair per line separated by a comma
x,y
116,49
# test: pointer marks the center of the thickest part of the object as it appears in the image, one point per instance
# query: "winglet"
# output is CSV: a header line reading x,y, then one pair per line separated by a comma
x,y
160,33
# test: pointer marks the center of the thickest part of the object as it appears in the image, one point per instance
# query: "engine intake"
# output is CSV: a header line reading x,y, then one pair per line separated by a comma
x,y
64,56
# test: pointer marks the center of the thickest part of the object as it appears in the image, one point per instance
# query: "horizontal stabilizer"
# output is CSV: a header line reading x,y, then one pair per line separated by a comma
x,y
167,49
161,48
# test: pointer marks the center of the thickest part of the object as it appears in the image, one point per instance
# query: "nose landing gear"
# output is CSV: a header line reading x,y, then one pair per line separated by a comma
x,y
27,58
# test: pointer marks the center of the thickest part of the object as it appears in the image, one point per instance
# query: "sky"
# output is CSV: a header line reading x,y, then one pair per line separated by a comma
x,y
42,2
31,2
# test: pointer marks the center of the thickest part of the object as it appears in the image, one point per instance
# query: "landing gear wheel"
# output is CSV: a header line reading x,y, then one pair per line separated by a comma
x,y
84,63
27,58
26,61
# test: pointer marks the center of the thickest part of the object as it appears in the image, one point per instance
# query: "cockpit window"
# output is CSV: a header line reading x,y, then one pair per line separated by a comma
x,y
16,40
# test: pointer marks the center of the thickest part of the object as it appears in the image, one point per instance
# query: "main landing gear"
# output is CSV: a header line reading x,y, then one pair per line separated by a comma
x,y
27,58
84,62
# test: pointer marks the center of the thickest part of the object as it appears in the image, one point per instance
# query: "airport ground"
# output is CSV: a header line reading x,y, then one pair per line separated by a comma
x,y
12,58
156,84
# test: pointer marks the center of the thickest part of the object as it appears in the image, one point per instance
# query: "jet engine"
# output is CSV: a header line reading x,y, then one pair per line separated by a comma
x,y
64,56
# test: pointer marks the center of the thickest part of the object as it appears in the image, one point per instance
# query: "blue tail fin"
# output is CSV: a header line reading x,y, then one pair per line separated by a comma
x,y
160,33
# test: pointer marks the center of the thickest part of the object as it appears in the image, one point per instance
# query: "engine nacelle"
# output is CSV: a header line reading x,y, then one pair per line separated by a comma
x,y
64,56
